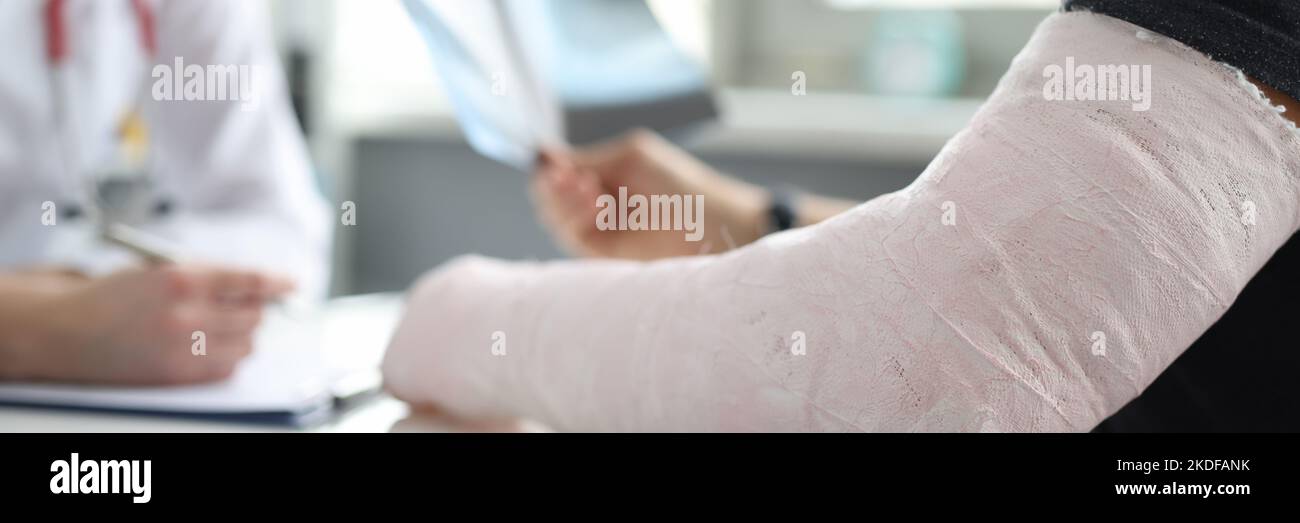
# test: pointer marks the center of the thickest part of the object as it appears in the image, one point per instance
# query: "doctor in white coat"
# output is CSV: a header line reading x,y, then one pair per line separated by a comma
x,y
226,183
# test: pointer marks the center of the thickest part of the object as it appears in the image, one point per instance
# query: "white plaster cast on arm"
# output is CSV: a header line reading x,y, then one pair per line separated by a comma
x,y
1068,218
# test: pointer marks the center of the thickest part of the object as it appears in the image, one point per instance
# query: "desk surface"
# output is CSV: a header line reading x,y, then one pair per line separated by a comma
x,y
382,413
377,414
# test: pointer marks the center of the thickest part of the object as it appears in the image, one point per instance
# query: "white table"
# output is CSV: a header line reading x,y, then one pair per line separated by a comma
x,y
379,414
375,415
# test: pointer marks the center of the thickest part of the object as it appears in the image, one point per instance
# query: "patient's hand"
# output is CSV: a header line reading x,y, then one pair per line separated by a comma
x,y
1278,98
568,183
145,325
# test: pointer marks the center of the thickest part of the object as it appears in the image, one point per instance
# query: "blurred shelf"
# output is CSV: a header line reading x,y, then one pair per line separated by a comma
x,y
820,126
836,126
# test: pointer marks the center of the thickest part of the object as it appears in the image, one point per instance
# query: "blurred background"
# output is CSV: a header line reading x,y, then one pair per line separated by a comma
x,y
887,83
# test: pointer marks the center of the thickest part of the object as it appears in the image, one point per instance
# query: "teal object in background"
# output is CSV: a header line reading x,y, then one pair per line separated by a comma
x,y
915,53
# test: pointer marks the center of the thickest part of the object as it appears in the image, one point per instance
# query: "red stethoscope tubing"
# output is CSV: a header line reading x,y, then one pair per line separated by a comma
x,y
57,51
56,32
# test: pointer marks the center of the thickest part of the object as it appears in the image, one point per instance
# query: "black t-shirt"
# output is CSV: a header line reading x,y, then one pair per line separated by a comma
x,y
1241,374
1260,37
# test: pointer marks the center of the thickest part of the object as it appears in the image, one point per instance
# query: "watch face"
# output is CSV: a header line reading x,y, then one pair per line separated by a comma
x,y
781,212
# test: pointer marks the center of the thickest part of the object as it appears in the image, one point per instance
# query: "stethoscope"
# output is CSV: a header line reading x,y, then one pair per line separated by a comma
x,y
95,205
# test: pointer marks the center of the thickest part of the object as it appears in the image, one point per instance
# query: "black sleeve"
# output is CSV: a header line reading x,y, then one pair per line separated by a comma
x,y
1260,37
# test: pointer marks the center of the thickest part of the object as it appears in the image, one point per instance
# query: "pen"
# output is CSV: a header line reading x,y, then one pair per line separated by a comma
x,y
155,252
143,245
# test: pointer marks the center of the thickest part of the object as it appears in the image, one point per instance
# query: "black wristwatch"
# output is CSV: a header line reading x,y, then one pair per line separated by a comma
x,y
781,210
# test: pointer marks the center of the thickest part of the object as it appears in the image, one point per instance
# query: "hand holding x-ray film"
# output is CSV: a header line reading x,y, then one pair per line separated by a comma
x,y
525,74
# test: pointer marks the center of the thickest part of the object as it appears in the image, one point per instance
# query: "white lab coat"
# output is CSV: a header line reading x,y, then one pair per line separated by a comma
x,y
237,175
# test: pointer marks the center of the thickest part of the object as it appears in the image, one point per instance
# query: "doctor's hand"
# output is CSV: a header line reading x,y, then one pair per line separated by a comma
x,y
567,184
154,325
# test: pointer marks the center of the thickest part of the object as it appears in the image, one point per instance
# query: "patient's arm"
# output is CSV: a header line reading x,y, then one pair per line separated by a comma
x,y
567,184
1045,268
1289,104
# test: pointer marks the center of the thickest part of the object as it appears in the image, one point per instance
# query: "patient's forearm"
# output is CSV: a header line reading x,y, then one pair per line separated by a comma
x,y
1291,105
813,209
1053,260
